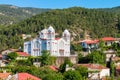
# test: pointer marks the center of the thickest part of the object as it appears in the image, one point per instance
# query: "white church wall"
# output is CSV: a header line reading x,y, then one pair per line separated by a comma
x,y
45,41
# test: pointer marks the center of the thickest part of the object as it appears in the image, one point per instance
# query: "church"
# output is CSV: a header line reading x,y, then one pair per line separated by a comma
x,y
59,47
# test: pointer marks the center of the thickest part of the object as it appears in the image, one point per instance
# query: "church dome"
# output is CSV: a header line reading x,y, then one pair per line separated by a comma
x,y
66,32
51,29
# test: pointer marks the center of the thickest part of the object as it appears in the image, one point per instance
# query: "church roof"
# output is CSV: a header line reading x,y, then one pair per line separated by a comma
x,y
66,32
51,29
57,38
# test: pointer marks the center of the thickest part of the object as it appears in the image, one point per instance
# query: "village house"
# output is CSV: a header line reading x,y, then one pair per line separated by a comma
x,y
108,41
89,45
6,52
22,55
116,61
95,71
109,54
24,76
3,57
18,76
5,76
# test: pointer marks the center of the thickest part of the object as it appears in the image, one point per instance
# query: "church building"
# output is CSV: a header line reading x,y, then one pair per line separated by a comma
x,y
59,47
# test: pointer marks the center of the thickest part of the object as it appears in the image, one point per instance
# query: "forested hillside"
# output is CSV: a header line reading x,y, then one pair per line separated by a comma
x,y
10,14
96,22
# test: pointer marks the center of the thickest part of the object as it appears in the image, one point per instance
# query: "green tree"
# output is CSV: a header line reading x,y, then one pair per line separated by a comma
x,y
12,55
80,57
29,61
115,46
96,57
19,68
118,53
76,47
53,76
101,45
45,58
83,71
112,70
63,66
72,75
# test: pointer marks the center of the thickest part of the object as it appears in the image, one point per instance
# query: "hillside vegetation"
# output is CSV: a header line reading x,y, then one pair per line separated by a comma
x,y
96,22
10,14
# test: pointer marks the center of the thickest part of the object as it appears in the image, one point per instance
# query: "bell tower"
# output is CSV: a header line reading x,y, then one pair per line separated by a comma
x,y
51,33
66,35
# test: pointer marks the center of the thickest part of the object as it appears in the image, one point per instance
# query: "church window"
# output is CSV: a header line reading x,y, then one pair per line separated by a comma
x,y
61,51
36,44
64,35
25,46
61,44
48,44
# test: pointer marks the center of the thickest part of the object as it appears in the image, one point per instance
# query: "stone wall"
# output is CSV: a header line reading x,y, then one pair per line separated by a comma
x,y
60,60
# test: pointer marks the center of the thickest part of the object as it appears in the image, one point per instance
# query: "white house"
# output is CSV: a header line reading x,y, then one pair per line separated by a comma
x,y
47,41
96,71
22,56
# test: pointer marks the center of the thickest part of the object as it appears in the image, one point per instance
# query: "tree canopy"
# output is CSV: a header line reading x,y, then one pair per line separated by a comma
x,y
72,75
12,55
97,23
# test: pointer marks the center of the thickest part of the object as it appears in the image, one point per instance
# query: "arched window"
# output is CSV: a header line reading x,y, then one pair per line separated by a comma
x,y
41,35
61,45
36,44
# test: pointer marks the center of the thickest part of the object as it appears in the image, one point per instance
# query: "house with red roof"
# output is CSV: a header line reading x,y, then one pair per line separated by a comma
x,y
5,76
116,61
22,55
54,68
88,44
25,76
95,71
117,70
108,41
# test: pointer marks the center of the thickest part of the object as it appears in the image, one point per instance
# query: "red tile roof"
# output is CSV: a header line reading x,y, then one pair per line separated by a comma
x,y
25,76
115,58
54,68
90,41
4,75
22,54
93,66
57,38
108,39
